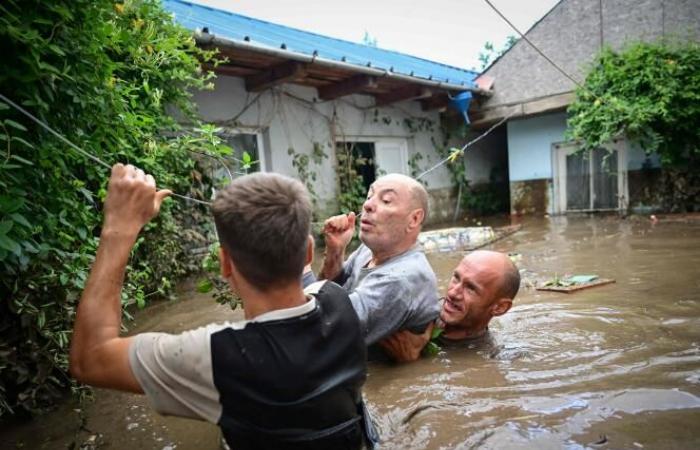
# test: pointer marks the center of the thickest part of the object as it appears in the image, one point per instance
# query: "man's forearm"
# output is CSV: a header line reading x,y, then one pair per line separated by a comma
x,y
98,317
332,264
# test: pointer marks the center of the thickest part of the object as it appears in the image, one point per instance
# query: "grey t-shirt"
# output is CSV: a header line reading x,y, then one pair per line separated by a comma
x,y
399,294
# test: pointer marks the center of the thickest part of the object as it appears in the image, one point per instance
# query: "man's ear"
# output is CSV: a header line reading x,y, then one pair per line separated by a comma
x,y
309,251
225,262
416,218
501,306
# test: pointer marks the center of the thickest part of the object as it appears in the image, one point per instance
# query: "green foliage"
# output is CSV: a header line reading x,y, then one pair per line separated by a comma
x,y
302,163
102,74
490,53
415,167
650,93
432,348
212,280
352,191
369,40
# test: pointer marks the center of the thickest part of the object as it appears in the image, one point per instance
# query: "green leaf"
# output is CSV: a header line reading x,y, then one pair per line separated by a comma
x,y
204,286
14,124
19,218
10,245
26,144
431,349
5,227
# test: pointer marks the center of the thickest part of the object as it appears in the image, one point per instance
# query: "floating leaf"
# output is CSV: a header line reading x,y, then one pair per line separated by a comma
x,y
204,286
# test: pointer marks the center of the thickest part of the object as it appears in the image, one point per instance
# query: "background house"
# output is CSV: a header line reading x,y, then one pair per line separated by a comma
x,y
544,175
300,103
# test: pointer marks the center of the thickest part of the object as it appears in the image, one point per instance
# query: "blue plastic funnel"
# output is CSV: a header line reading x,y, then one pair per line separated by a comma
x,y
460,103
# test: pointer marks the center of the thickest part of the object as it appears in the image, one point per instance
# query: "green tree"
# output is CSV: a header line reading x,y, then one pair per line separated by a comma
x,y
105,75
490,53
649,93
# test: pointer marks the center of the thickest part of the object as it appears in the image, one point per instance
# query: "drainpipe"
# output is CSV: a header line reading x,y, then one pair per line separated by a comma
x,y
203,38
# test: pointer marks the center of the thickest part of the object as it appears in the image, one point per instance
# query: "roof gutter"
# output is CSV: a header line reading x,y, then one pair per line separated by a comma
x,y
211,39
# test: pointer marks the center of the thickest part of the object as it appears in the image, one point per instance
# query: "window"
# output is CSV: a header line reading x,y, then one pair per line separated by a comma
x,y
589,182
242,142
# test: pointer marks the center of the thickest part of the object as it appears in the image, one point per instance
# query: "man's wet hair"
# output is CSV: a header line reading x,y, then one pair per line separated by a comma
x,y
511,281
263,221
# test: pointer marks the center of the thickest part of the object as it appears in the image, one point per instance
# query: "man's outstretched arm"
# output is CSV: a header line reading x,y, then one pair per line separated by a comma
x,y
98,356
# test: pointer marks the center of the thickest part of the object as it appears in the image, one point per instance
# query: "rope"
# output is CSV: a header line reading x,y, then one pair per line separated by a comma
x,y
78,149
460,152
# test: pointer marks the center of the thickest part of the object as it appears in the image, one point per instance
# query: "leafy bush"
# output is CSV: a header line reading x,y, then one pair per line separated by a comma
x,y
649,92
106,76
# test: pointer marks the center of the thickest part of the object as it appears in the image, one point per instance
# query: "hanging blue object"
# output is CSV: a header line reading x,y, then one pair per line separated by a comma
x,y
460,103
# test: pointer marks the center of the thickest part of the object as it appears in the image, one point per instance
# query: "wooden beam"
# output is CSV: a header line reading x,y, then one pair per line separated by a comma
x,y
232,71
485,116
403,93
349,86
438,101
275,75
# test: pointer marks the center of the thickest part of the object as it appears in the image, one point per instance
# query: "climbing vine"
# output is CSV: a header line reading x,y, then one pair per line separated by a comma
x,y
102,74
650,93
306,165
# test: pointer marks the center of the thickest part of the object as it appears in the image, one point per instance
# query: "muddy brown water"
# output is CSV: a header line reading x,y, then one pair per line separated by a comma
x,y
616,366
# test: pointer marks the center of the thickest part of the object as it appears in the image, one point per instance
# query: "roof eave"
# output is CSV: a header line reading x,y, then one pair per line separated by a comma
x,y
203,38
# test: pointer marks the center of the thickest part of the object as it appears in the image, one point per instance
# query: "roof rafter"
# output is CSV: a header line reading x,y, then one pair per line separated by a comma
x,y
438,101
352,85
275,75
402,94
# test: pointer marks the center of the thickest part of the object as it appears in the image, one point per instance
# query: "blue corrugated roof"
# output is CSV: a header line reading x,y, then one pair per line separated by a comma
x,y
241,28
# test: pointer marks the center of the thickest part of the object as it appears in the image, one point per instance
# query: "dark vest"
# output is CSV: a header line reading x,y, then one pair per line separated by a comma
x,y
293,383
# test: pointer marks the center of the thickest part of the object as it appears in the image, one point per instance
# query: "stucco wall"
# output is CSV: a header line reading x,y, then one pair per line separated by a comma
x,y
288,122
530,145
574,31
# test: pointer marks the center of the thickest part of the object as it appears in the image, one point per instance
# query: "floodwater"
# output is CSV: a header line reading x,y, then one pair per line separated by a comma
x,y
616,366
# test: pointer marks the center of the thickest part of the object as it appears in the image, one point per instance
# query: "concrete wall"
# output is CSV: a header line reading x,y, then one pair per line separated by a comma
x,y
530,163
573,32
288,117
530,145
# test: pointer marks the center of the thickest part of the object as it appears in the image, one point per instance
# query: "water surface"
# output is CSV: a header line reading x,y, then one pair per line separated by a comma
x,y
616,366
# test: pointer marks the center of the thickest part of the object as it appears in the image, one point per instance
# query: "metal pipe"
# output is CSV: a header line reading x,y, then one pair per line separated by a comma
x,y
211,39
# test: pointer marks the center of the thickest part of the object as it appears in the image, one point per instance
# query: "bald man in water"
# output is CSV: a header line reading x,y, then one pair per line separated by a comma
x,y
482,287
391,285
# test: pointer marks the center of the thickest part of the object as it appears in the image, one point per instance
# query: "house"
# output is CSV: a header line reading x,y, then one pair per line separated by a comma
x,y
324,109
530,97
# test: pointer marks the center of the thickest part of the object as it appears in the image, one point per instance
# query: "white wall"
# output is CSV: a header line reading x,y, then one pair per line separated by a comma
x,y
288,122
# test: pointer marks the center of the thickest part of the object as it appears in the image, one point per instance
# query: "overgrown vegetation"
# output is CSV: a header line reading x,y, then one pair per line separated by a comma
x,y
306,165
650,93
105,76
490,53
351,189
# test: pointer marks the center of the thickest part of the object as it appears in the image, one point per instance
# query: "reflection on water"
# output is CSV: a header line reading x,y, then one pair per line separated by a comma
x,y
615,366
611,367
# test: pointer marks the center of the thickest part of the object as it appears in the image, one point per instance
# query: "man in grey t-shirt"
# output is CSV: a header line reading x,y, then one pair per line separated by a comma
x,y
390,282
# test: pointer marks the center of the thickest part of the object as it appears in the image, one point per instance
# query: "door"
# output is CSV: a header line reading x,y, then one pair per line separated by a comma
x,y
595,181
391,156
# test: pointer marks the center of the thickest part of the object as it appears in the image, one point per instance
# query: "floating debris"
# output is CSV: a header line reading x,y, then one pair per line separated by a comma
x,y
573,283
462,238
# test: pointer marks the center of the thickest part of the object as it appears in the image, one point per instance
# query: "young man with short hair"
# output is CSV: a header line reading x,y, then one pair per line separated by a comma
x,y
289,376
